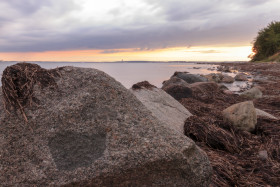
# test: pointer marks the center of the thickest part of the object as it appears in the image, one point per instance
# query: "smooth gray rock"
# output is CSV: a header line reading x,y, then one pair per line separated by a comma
x,y
91,131
190,78
241,115
253,93
164,107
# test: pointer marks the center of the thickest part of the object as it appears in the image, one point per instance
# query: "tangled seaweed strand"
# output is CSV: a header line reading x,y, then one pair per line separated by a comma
x,y
234,154
18,85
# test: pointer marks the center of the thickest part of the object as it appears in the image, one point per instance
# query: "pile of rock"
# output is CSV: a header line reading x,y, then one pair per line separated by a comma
x,y
91,131
242,115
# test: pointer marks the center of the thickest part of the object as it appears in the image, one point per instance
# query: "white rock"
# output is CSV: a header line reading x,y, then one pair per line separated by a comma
x,y
241,115
261,113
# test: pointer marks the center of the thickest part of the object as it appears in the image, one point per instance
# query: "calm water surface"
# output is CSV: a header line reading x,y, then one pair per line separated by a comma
x,y
131,73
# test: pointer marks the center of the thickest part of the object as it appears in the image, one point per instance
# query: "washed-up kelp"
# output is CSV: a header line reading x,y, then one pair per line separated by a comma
x,y
18,83
236,155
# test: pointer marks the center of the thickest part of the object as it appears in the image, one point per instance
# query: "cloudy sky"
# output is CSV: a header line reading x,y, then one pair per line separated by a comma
x,y
105,30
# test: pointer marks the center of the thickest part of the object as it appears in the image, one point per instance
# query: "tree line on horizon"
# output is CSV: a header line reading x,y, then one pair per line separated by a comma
x,y
266,45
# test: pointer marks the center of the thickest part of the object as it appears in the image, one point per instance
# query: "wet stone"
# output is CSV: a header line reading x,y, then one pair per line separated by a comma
x,y
71,150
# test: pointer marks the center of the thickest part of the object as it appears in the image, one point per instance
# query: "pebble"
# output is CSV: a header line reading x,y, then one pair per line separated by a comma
x,y
263,155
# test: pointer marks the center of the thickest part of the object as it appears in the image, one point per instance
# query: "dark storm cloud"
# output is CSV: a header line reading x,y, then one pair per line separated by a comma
x,y
49,25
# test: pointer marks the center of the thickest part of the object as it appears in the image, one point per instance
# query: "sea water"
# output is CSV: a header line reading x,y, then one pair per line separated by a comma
x,y
129,73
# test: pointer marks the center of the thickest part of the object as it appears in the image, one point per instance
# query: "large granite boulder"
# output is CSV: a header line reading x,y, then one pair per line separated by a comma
x,y
190,78
89,130
241,115
164,107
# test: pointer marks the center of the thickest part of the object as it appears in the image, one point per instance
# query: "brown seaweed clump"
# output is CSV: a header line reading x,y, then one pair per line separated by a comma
x,y
143,84
18,83
236,156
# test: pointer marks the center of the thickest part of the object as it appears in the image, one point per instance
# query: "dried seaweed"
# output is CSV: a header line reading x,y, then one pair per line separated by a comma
x,y
235,155
203,129
18,83
143,84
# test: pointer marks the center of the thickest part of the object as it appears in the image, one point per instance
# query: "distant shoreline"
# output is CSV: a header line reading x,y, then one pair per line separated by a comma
x,y
183,62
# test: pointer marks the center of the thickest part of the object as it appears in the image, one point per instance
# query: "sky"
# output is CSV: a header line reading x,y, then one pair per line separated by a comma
x,y
114,30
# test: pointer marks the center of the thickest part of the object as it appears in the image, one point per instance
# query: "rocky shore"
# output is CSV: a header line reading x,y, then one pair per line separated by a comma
x,y
239,131
79,127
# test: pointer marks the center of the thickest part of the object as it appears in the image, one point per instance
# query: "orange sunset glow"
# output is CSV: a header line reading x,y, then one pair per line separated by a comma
x,y
168,54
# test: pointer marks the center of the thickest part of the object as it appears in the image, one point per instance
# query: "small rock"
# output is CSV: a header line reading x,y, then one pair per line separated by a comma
x,y
214,77
178,92
174,81
241,77
222,87
261,113
190,78
253,93
228,92
224,68
263,155
227,79
211,69
241,115
262,89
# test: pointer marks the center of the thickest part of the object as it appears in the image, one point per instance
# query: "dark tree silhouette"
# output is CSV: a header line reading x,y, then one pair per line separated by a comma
x,y
267,43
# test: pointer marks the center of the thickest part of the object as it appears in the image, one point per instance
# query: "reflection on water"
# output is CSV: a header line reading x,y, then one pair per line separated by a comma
x,y
131,73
